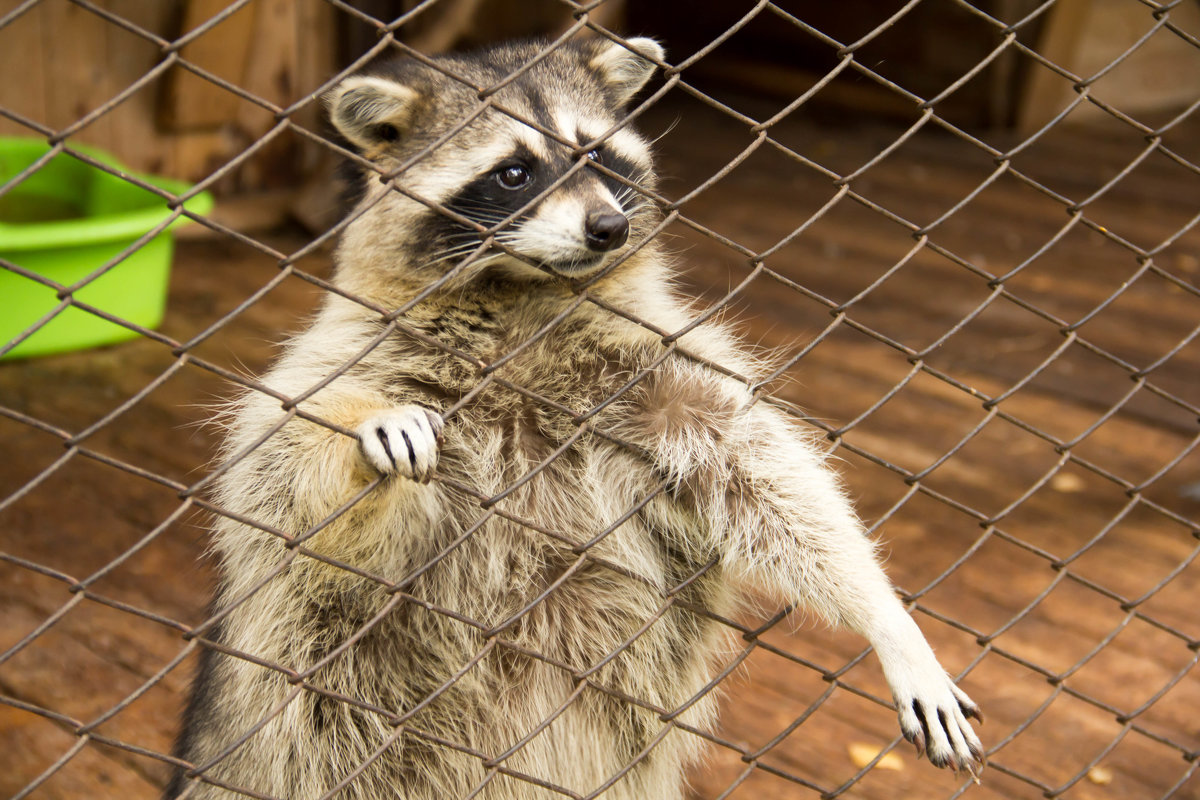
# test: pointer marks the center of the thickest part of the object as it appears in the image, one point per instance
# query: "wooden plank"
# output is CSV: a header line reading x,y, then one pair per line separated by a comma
x,y
293,55
136,139
1085,36
316,59
1043,95
193,102
270,72
74,61
194,155
446,27
18,47
1163,73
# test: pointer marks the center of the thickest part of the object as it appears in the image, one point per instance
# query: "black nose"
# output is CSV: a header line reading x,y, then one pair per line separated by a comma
x,y
605,231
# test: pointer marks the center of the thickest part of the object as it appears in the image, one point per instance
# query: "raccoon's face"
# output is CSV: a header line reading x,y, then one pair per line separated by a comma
x,y
536,164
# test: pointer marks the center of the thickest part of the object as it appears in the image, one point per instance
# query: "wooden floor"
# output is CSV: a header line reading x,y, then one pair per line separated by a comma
x,y
1050,553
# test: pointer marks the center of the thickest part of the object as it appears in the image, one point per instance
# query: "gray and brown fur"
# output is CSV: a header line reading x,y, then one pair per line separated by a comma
x,y
748,508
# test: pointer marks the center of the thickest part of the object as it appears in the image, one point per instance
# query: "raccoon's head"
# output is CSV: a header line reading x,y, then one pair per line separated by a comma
x,y
516,140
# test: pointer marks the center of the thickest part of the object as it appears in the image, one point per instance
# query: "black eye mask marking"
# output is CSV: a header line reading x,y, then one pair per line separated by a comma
x,y
606,156
507,188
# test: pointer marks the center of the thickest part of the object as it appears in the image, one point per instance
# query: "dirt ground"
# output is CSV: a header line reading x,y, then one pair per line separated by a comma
x,y
1047,540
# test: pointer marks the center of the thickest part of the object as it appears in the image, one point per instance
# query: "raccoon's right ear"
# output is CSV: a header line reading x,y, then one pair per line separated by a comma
x,y
371,112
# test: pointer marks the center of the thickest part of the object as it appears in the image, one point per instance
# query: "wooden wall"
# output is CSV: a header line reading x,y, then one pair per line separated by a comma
x,y
61,61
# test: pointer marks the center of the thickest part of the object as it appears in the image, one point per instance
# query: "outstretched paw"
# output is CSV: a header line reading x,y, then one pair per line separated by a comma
x,y
933,716
403,441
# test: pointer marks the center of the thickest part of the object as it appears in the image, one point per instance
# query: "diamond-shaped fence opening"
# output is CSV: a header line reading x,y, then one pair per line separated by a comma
x,y
963,237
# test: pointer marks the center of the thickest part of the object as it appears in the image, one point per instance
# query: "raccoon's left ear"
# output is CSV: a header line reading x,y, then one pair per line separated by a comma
x,y
625,67
371,112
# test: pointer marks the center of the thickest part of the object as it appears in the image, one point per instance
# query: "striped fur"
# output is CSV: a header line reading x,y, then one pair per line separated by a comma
x,y
449,690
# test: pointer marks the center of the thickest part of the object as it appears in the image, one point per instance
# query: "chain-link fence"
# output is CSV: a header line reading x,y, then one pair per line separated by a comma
x,y
975,262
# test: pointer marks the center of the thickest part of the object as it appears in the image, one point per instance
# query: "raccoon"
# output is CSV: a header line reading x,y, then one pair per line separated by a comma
x,y
480,537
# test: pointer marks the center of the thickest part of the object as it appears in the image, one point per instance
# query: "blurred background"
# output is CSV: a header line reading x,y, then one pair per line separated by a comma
x,y
968,229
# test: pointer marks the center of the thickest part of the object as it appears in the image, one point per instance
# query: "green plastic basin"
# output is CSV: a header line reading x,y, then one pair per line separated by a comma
x,y
64,222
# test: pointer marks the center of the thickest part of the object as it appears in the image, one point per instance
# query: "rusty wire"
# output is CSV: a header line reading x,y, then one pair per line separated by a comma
x,y
843,317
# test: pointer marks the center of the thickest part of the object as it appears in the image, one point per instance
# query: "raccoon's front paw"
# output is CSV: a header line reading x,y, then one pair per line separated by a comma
x,y
933,716
402,441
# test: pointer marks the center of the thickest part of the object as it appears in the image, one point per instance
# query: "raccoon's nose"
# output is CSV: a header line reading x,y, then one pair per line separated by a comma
x,y
605,231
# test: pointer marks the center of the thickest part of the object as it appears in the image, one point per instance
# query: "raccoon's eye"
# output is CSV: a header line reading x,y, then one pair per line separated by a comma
x,y
595,155
514,176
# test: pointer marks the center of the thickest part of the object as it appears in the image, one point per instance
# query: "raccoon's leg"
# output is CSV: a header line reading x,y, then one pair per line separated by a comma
x,y
295,480
403,440
776,514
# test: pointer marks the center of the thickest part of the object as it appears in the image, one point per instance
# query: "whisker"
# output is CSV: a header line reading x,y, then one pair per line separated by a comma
x,y
483,220
670,128
471,213
481,204
483,207
450,253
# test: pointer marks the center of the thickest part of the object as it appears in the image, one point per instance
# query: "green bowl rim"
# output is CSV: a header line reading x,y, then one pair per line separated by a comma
x,y
101,228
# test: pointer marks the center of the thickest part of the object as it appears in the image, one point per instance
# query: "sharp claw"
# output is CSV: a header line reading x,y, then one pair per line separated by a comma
x,y
381,434
923,737
437,424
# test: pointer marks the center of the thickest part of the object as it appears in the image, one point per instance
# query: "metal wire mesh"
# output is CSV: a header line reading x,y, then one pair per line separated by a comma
x,y
1011,383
